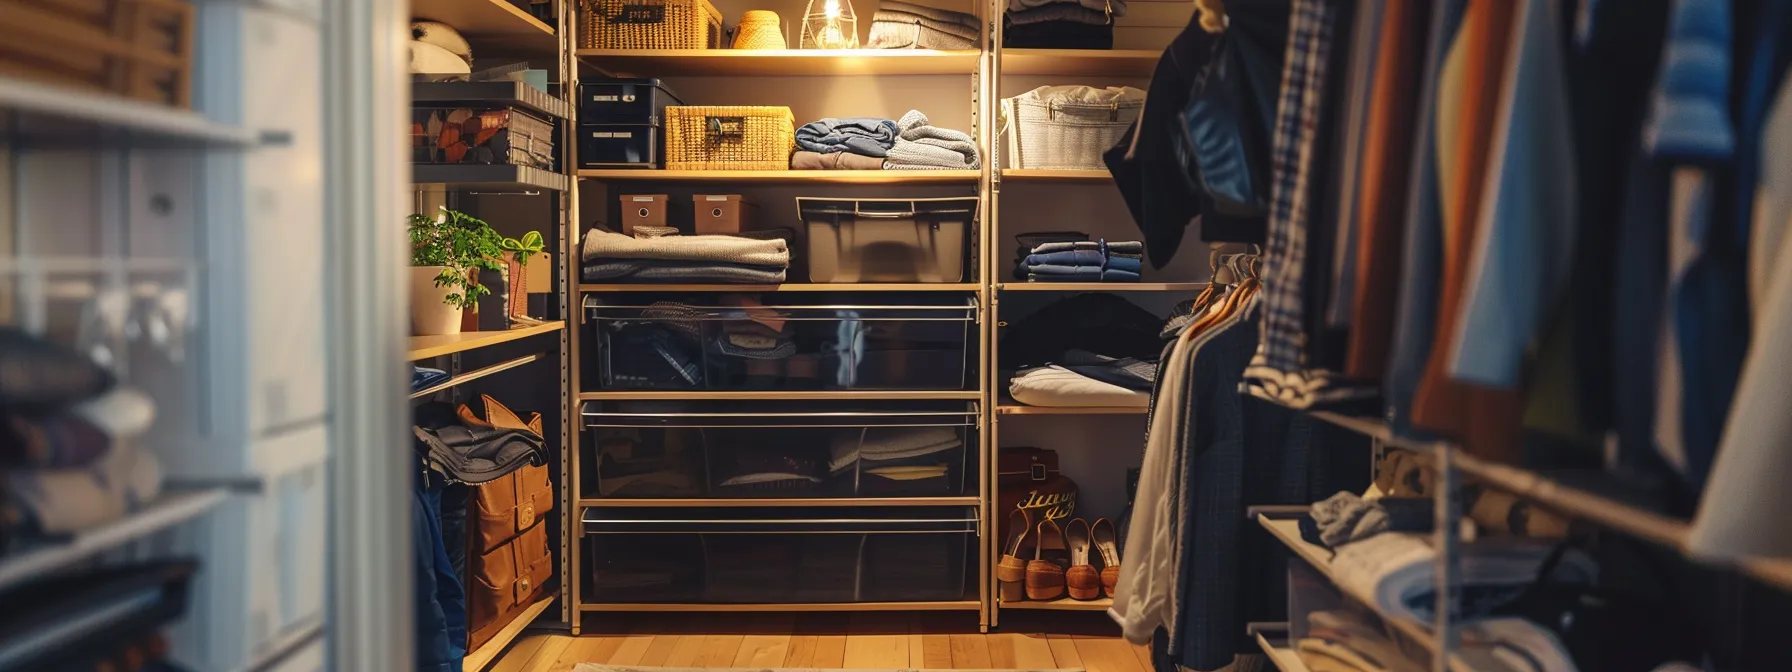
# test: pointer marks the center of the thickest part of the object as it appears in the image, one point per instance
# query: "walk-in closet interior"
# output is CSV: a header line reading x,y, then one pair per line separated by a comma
x,y
1017,335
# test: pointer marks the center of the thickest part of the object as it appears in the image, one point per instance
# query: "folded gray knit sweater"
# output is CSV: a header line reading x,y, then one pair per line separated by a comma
x,y
927,147
900,25
601,244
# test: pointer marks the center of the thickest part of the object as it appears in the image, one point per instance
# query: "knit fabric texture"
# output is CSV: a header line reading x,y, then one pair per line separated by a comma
x,y
925,146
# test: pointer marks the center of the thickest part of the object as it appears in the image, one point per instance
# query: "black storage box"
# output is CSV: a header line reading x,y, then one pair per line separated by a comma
x,y
625,101
621,146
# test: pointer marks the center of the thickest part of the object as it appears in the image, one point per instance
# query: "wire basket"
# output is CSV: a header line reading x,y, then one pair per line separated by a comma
x,y
729,137
650,24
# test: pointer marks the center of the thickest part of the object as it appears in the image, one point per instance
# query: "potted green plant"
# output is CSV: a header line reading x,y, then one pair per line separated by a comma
x,y
447,252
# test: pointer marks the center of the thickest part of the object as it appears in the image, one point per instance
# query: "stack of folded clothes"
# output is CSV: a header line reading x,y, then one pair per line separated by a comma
x,y
1083,261
844,144
900,25
1061,24
69,458
909,143
1025,242
894,461
759,257
921,145
1082,379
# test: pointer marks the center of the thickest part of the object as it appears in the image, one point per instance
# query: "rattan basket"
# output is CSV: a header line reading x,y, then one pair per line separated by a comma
x,y
730,137
649,24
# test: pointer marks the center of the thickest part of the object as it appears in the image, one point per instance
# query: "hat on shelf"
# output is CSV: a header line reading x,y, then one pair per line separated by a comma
x,y
759,29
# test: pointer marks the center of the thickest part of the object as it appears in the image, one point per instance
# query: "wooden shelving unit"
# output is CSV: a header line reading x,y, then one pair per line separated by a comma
x,y
1016,408
503,178
1061,604
791,287
113,120
1287,531
425,347
968,177
953,605
1102,286
712,503
1055,176
779,62
781,395
495,24
478,659
1281,654
1080,62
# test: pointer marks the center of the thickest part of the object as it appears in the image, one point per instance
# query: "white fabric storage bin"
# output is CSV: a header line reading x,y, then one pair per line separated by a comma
x,y
887,239
1066,127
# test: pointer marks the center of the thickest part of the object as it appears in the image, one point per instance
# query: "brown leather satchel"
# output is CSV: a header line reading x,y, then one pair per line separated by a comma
x,y
504,508
503,583
1027,478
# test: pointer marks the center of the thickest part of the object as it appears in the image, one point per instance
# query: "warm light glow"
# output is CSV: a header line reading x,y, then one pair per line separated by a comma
x,y
832,9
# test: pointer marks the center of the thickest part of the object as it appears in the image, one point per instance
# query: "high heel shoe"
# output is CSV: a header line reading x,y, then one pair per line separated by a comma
x,y
1011,570
1045,574
1082,581
1102,533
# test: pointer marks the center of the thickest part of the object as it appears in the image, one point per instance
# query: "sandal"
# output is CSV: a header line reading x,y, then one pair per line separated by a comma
x,y
1102,533
1045,573
1011,570
1082,581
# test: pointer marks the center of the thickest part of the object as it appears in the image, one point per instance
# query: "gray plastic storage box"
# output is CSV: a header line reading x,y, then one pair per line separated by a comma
x,y
887,239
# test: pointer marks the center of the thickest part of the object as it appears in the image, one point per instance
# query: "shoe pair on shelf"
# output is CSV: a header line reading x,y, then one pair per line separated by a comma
x,y
1060,562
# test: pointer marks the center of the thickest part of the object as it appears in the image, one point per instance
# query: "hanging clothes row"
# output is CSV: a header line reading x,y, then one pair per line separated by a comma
x,y
1195,575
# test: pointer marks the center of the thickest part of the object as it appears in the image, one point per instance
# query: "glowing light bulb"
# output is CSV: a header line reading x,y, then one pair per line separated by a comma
x,y
832,9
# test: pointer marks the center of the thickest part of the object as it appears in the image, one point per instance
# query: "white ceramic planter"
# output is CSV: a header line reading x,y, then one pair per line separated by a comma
x,y
431,315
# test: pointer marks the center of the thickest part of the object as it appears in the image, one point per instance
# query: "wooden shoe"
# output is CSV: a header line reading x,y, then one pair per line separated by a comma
x,y
1011,570
1082,580
1103,535
1045,573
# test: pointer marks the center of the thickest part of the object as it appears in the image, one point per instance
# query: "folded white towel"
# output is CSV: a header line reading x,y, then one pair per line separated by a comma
x,y
1057,386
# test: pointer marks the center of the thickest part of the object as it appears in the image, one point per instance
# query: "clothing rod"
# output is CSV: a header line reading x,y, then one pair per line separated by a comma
x,y
475,375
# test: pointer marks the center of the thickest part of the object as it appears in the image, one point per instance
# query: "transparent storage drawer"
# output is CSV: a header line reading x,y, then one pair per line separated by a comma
x,y
734,343
780,449
779,555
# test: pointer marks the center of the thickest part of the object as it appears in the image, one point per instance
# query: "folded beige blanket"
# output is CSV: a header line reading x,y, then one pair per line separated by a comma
x,y
601,244
834,161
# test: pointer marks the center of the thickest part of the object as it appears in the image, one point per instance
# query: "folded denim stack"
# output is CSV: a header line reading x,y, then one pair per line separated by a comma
x,y
67,452
901,25
1061,24
844,144
1083,261
761,258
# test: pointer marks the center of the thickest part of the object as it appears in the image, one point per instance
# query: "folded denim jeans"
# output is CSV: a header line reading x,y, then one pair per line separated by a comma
x,y
1079,274
866,136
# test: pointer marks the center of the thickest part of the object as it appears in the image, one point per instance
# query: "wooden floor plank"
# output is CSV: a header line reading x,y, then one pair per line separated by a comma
x,y
936,652
684,653
519,654
1031,652
660,650
549,654
830,652
587,649
1064,652
1143,653
1106,654
877,641
633,649
970,652
769,643
718,650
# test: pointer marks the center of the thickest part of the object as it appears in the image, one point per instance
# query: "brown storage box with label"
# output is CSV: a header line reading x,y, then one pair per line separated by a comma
x,y
723,213
642,210
729,137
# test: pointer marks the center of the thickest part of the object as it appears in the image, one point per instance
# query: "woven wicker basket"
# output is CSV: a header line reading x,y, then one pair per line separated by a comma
x,y
737,137
759,29
1062,135
650,24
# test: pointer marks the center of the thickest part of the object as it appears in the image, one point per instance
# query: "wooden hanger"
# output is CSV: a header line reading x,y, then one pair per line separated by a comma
x,y
1213,15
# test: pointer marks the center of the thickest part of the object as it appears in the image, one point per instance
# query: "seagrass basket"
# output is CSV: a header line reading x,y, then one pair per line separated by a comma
x,y
649,24
729,137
